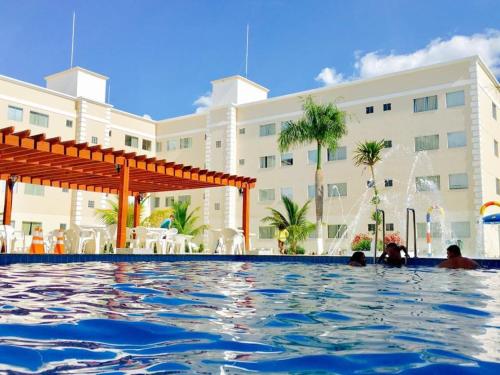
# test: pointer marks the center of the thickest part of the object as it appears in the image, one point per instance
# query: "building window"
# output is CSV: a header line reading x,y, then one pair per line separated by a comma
x,y
131,141
63,226
436,231
169,201
242,161
91,204
428,183
109,133
94,140
266,195
337,190
69,124
285,125
337,230
495,147
458,181
311,191
29,227
15,113
387,107
498,186
171,144
267,162
156,202
371,227
457,139
38,190
389,227
427,103
217,206
387,144
312,156
39,119
286,159
65,190
146,145
494,110
427,142
388,183
185,143
184,198
455,99
242,130
460,229
286,192
218,144
369,110
158,146
340,153
266,130
266,233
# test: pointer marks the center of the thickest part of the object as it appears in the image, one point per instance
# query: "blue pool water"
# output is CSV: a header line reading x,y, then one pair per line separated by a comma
x,y
233,318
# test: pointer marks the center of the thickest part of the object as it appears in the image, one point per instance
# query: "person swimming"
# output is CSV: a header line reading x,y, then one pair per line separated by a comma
x,y
456,260
358,259
391,255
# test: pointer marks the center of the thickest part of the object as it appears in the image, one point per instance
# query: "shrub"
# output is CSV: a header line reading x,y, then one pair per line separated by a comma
x,y
393,237
361,242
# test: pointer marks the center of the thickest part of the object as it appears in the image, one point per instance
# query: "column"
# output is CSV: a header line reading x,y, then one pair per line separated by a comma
x,y
7,207
246,217
121,234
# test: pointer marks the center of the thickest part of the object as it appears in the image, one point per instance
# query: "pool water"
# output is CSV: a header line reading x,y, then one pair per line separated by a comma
x,y
233,318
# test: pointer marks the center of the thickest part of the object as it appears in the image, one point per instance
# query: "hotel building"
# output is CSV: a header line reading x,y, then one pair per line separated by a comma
x,y
440,125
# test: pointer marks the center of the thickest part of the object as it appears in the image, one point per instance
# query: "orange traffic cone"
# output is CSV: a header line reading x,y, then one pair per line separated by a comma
x,y
37,242
59,247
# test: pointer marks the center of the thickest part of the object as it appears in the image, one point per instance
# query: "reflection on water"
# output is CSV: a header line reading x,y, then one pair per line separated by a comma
x,y
228,317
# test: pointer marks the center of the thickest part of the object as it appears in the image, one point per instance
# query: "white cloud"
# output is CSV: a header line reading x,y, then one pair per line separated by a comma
x,y
329,76
203,102
486,45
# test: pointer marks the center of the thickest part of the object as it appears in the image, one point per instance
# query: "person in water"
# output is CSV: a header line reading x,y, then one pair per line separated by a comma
x,y
282,236
167,223
392,255
358,259
456,260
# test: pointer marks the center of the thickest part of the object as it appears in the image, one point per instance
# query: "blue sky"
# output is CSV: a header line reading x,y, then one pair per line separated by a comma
x,y
161,55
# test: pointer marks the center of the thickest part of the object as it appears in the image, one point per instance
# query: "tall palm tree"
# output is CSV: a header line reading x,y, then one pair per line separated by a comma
x,y
294,220
109,215
368,154
185,221
325,125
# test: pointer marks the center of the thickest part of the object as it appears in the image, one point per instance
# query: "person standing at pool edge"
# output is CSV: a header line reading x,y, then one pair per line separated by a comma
x,y
167,223
456,260
282,236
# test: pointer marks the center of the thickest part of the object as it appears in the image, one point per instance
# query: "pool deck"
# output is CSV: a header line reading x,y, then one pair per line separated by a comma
x,y
6,259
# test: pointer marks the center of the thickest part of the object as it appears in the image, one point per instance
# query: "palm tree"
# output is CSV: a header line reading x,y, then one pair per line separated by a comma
x,y
368,154
325,125
294,220
109,215
185,221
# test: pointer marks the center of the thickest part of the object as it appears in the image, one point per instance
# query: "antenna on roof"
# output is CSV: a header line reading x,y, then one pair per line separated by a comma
x,y
72,41
246,53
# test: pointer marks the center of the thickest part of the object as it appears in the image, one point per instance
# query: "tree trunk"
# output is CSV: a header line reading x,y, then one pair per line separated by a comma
x,y
319,203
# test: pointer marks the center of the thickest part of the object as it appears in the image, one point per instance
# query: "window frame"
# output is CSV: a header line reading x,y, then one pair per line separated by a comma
x,y
268,132
132,139
16,111
38,115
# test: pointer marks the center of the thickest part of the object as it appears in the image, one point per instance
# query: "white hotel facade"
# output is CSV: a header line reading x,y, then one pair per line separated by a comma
x,y
440,123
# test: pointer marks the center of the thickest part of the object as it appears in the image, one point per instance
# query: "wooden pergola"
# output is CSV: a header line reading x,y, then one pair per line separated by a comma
x,y
38,160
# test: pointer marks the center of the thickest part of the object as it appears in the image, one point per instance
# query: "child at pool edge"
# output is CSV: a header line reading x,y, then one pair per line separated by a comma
x,y
358,259
282,236
392,255
167,223
456,260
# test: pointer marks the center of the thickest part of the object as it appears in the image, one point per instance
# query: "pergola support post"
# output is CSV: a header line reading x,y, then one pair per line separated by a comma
x,y
121,234
137,210
246,217
7,206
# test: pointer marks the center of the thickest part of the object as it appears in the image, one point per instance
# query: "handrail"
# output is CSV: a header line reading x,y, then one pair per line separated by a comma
x,y
376,232
412,210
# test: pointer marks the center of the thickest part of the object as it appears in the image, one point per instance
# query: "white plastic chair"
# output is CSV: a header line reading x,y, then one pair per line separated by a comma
x,y
168,243
233,240
9,238
85,237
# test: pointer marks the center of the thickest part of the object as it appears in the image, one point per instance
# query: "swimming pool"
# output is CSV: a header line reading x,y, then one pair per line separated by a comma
x,y
239,317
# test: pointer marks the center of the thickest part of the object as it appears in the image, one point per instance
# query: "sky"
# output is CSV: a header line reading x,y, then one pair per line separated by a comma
x,y
161,55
